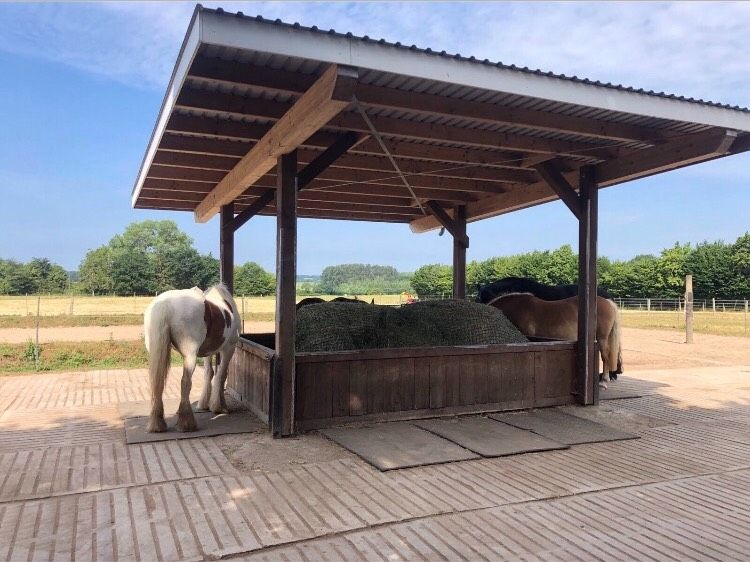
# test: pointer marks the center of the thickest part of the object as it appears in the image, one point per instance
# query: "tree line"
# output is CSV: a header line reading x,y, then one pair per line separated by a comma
x,y
719,270
154,256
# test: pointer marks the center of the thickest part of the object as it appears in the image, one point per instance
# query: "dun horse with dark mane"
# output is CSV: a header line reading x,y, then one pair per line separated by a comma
x,y
558,319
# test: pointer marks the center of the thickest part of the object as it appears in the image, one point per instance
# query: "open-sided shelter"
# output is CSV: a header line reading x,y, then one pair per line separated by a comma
x,y
266,118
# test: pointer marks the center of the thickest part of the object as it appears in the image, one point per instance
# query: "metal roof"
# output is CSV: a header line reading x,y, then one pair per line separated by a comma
x,y
463,131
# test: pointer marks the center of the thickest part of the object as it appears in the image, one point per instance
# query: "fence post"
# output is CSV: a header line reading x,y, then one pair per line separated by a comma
x,y
745,316
688,309
648,305
713,304
243,314
36,345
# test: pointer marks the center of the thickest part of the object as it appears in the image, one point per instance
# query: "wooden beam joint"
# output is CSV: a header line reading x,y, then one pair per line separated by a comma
x,y
552,177
448,223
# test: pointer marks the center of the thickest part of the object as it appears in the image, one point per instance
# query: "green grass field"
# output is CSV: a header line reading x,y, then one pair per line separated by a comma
x,y
717,323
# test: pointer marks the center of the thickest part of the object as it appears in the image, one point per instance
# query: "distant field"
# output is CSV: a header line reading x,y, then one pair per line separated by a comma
x,y
20,312
114,306
717,323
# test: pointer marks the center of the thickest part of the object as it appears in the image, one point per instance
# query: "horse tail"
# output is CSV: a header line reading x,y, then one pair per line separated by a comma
x,y
158,345
615,344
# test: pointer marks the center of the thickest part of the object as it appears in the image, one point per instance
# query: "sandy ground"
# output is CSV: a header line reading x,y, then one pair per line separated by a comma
x,y
95,333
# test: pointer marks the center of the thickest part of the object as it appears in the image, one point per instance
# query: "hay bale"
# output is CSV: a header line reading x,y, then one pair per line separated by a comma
x,y
343,326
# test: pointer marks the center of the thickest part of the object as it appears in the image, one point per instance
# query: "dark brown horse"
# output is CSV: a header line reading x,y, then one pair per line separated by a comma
x,y
559,320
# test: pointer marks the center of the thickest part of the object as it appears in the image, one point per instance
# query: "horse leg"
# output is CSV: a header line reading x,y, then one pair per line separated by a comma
x,y
604,351
208,368
185,417
156,421
218,402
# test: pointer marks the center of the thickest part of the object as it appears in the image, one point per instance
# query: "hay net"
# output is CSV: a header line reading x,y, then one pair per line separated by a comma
x,y
344,326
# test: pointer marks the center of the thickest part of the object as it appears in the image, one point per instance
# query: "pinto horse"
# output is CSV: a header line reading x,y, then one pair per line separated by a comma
x,y
485,293
559,320
197,324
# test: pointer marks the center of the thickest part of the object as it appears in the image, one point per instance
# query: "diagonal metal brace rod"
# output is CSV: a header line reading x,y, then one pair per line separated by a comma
x,y
387,152
449,224
552,177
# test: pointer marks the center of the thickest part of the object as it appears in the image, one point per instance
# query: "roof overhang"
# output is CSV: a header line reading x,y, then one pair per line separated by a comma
x,y
462,132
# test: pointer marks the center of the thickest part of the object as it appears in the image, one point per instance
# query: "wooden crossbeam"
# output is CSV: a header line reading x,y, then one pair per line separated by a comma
x,y
552,176
218,131
231,105
688,150
331,93
304,176
234,74
447,221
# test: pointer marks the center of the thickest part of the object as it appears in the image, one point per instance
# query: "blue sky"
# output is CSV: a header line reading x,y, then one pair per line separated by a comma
x,y
82,84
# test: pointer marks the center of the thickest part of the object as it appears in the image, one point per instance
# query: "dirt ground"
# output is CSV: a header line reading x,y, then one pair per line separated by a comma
x,y
664,349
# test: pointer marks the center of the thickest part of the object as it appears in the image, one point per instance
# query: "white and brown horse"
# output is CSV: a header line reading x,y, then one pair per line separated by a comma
x,y
559,320
197,324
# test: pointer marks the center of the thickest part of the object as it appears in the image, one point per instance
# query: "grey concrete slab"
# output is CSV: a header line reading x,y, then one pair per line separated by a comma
x,y
612,392
397,445
563,428
209,424
488,437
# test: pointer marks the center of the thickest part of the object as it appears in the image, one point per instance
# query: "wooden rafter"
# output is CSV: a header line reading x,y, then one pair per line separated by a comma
x,y
678,153
231,105
234,74
448,223
330,94
552,176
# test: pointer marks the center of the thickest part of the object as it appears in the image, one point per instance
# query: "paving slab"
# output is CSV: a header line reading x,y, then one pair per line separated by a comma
x,y
614,393
397,445
488,437
562,427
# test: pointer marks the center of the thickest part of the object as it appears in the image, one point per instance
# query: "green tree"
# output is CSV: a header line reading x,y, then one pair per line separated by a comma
x,y
95,271
359,278
132,272
251,279
710,264
740,260
433,280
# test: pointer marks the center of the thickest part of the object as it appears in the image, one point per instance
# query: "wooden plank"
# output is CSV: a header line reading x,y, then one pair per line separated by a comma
x,y
226,246
253,209
391,388
286,277
231,105
421,383
375,399
518,379
315,383
437,382
448,222
406,382
587,376
233,74
357,387
326,158
340,397
437,352
453,381
328,96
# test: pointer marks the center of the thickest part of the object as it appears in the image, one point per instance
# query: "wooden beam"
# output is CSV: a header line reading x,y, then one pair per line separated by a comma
x,y
552,176
214,129
255,207
692,149
257,77
331,93
326,158
226,246
459,253
231,105
448,222
283,387
587,362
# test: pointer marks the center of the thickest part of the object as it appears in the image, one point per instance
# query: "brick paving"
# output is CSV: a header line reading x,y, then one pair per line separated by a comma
x,y
70,489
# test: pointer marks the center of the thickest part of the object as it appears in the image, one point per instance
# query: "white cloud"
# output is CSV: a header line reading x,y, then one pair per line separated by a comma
x,y
689,48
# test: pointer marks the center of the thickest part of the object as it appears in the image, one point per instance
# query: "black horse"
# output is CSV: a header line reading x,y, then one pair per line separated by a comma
x,y
485,293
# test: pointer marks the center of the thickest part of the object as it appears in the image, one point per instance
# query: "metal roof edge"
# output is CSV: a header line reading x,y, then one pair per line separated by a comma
x,y
190,45
257,34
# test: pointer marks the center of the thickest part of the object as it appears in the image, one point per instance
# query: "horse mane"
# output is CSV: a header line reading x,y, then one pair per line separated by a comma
x,y
222,289
497,298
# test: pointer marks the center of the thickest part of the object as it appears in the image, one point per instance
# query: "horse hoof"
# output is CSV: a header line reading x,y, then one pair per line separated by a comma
x,y
203,406
603,385
220,410
187,425
157,426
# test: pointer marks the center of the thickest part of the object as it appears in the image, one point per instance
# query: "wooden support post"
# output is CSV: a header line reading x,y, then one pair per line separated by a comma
x,y
459,253
586,361
226,246
688,309
282,414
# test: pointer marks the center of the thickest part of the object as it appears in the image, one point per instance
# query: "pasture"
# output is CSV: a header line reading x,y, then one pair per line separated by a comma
x,y
66,310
